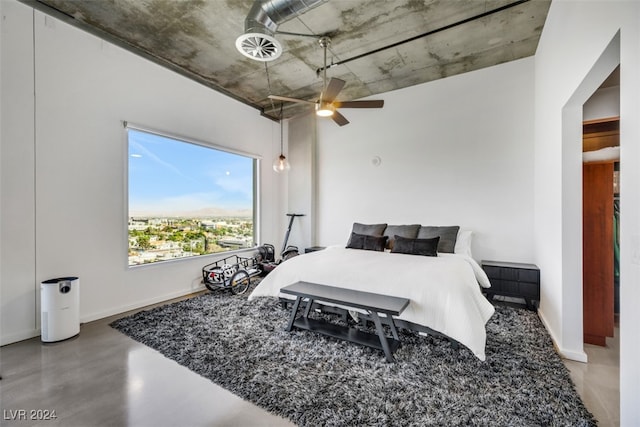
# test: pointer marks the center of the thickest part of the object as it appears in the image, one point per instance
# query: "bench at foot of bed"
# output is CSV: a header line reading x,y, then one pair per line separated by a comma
x,y
366,320
373,304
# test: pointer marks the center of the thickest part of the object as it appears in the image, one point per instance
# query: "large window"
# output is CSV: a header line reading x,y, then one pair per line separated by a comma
x,y
187,199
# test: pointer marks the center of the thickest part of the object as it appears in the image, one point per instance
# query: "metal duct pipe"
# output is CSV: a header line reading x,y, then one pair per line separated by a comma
x,y
258,41
270,14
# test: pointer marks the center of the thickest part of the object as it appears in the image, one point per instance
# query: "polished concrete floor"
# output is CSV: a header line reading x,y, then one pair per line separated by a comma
x,y
103,378
598,381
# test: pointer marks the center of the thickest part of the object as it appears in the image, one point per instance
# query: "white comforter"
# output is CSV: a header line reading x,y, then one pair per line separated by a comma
x,y
443,290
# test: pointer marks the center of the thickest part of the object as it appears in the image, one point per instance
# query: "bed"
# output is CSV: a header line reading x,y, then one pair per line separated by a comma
x,y
443,289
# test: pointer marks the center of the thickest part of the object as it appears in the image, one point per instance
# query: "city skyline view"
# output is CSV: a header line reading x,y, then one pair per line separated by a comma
x,y
186,200
168,177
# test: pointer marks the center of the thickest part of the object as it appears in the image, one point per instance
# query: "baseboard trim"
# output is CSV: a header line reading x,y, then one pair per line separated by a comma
x,y
578,356
140,304
19,336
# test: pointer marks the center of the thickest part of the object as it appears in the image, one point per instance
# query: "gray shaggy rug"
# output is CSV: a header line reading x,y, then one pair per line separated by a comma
x,y
313,380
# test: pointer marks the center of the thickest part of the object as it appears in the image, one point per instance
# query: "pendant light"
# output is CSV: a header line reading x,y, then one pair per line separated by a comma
x,y
281,164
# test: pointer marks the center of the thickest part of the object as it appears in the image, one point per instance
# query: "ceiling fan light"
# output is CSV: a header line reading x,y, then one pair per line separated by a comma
x,y
324,113
324,110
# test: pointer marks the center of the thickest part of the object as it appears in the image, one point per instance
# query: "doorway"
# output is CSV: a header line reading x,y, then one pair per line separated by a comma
x,y
600,388
601,193
601,207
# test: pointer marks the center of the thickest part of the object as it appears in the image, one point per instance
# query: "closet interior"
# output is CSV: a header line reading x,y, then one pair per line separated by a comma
x,y
601,207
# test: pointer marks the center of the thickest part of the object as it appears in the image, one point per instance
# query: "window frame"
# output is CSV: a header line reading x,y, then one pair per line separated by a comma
x,y
257,160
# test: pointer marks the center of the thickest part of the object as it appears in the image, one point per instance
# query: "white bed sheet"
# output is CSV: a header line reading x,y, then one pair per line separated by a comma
x,y
443,290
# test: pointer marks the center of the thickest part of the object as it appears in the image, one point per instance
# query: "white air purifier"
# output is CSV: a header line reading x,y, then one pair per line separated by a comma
x,y
60,309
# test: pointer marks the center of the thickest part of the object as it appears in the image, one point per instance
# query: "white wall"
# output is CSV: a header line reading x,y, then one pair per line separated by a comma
x,y
302,180
604,104
17,148
456,151
64,163
577,50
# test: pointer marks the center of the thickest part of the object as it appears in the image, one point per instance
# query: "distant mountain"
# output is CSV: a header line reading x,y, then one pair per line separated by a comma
x,y
200,213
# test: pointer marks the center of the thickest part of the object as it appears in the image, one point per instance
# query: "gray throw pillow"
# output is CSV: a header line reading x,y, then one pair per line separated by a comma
x,y
406,231
368,243
425,247
447,234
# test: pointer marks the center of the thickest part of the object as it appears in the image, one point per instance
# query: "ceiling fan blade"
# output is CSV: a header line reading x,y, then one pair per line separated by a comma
x,y
286,98
333,88
374,103
339,119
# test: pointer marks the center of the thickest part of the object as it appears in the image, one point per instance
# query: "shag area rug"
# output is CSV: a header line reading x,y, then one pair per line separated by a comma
x,y
314,381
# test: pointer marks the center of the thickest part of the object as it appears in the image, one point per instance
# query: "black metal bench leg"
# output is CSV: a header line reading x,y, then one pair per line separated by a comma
x,y
392,325
294,312
308,308
383,337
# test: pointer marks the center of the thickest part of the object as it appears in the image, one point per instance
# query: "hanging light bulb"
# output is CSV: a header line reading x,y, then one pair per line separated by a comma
x,y
281,164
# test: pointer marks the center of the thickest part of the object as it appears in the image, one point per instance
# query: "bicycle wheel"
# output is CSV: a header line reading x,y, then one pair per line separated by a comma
x,y
210,278
210,286
240,282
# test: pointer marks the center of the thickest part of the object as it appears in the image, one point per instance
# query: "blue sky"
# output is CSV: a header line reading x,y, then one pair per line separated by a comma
x,y
167,176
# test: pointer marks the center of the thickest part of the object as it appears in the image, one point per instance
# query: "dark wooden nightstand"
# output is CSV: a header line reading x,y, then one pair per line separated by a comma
x,y
313,249
513,279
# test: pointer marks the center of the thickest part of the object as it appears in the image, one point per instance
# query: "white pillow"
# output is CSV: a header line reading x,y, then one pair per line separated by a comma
x,y
463,243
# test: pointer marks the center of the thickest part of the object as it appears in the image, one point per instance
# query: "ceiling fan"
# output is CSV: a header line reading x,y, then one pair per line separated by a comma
x,y
326,105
